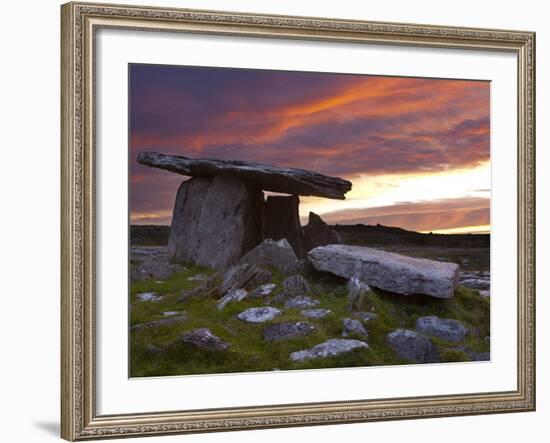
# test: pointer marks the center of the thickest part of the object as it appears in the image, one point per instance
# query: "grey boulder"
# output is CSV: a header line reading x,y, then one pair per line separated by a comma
x,y
232,296
445,329
315,313
353,327
301,302
386,270
275,253
204,339
287,331
330,348
259,315
263,290
148,296
413,347
295,285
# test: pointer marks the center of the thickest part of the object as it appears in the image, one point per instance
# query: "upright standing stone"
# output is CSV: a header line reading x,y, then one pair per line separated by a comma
x,y
283,221
318,233
216,220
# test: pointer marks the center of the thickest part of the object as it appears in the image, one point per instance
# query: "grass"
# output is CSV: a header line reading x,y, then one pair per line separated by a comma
x,y
157,351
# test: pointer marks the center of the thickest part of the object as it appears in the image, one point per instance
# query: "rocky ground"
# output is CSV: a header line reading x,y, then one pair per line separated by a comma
x,y
277,314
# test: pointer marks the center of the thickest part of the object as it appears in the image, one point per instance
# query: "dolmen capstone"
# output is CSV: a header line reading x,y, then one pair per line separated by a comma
x,y
220,213
388,271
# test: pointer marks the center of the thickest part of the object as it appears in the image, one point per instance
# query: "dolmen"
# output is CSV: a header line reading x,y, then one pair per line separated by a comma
x,y
221,213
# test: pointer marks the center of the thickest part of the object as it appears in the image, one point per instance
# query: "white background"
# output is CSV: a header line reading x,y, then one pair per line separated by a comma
x,y
117,394
29,373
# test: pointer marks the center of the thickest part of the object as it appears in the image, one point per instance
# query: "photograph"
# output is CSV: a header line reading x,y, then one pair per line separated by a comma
x,y
291,220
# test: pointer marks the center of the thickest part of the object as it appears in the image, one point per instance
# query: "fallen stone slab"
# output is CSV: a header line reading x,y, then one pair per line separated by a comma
x,y
232,296
330,348
243,276
353,327
215,221
287,331
413,347
275,253
301,302
266,177
318,233
259,315
164,322
445,329
315,313
204,339
386,270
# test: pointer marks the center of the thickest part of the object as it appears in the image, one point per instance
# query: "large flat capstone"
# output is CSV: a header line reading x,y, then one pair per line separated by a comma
x,y
216,220
266,177
386,270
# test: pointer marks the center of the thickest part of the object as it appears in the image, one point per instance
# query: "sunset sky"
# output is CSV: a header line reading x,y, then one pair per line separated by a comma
x,y
416,150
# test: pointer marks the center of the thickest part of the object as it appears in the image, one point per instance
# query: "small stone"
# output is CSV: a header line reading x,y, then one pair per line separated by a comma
x,y
259,315
295,285
171,313
287,331
476,283
263,290
204,339
197,277
485,293
356,289
330,348
413,347
445,329
164,322
301,302
232,296
148,296
353,327
367,316
315,313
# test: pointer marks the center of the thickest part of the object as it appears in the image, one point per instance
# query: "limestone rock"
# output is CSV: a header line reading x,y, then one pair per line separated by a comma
x,y
445,329
243,276
287,331
353,327
263,290
269,178
216,220
259,315
301,302
330,348
315,313
276,253
153,268
367,316
356,289
386,270
413,347
318,233
204,339
282,220
232,296
295,285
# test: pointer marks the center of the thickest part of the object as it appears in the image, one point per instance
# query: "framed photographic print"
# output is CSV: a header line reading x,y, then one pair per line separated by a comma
x,y
282,221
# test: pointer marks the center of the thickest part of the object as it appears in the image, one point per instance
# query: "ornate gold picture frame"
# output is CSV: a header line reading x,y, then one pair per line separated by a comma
x,y
80,23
